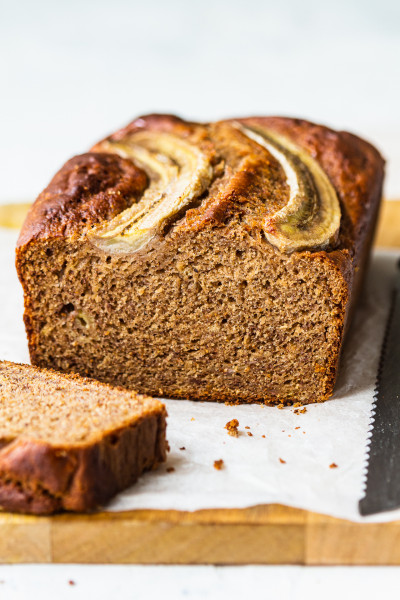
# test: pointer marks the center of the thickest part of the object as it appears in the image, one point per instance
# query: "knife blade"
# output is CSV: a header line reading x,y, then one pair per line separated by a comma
x,y
382,490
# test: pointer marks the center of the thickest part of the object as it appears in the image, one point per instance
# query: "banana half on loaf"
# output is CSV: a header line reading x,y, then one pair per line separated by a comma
x,y
211,261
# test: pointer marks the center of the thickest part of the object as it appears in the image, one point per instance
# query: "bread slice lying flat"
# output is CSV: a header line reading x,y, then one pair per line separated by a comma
x,y
215,261
70,443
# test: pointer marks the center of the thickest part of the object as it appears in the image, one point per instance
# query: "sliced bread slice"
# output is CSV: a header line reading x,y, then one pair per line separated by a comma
x,y
71,443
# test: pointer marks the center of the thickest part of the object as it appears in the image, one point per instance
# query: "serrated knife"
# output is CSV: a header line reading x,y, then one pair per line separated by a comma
x,y
383,472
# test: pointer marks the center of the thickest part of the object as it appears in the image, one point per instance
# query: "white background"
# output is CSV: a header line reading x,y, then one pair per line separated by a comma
x,y
70,72
73,71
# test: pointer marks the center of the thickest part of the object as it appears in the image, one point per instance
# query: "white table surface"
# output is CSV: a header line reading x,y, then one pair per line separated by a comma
x,y
195,583
70,72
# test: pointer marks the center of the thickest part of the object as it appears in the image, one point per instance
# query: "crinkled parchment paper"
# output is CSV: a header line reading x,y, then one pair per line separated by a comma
x,y
254,472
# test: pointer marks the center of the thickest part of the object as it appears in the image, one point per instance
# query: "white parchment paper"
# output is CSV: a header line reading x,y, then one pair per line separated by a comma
x,y
333,432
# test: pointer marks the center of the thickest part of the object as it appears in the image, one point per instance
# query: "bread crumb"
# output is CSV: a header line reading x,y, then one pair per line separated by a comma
x,y
246,427
298,427
183,448
263,436
283,462
218,464
333,466
170,469
71,582
192,419
298,411
232,427
280,406
250,434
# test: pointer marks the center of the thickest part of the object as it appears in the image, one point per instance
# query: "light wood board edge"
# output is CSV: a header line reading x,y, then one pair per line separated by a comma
x,y
268,534
388,230
12,216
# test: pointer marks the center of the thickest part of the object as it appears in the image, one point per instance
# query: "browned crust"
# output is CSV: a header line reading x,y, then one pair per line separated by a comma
x,y
37,478
88,189
354,167
356,170
40,478
155,122
96,186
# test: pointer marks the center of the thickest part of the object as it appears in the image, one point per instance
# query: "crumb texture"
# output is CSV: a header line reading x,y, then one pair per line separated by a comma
x,y
207,317
68,443
206,307
49,407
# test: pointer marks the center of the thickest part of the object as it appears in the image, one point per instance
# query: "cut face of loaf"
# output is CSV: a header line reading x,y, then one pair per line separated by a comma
x,y
215,262
70,443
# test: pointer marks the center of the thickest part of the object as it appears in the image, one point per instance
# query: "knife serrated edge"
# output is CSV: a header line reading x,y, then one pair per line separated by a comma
x,y
371,424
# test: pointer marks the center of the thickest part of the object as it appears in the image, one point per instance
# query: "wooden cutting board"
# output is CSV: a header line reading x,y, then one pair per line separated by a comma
x,y
268,534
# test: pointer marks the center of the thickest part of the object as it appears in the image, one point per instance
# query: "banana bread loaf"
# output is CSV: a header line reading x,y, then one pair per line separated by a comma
x,y
70,443
208,261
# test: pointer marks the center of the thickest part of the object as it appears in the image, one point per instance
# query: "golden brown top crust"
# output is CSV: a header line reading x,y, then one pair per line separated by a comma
x,y
86,190
248,182
353,165
248,176
156,122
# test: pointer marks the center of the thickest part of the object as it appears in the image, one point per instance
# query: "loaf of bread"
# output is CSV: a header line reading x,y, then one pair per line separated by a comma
x,y
70,443
213,262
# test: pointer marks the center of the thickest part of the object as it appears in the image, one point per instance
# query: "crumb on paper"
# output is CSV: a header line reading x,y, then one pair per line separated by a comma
x,y
218,464
232,427
333,466
71,582
283,462
170,469
298,427
192,419
263,436
298,411
246,427
183,448
289,435
250,434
